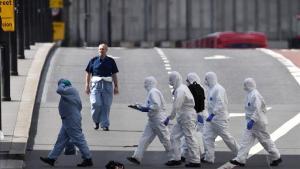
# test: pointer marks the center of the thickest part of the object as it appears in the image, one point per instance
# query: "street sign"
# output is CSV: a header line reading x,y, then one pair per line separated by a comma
x,y
56,4
58,30
8,15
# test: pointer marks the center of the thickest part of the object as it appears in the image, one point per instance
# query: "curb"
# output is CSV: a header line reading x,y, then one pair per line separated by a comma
x,y
24,117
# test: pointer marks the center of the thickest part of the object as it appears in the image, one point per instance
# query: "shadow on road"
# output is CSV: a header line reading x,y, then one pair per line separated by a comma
x,y
152,160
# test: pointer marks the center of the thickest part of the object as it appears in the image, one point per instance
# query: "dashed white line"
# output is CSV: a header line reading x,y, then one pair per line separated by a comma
x,y
166,63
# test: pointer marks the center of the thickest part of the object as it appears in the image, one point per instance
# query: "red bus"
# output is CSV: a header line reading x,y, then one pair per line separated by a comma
x,y
233,40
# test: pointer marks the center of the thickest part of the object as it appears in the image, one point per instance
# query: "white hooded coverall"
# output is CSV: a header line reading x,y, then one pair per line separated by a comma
x,y
217,104
191,78
183,109
156,115
255,109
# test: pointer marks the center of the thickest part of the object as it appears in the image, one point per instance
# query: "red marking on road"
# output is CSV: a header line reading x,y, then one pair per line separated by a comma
x,y
293,56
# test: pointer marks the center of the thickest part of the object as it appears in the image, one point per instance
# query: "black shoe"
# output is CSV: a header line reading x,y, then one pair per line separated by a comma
x,y
105,128
47,160
234,162
193,165
182,159
86,163
205,161
173,163
96,127
276,162
133,160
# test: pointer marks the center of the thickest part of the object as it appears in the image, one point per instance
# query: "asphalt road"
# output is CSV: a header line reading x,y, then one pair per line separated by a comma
x,y
274,81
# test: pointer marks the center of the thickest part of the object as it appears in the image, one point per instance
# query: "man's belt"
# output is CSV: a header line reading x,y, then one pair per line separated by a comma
x,y
97,79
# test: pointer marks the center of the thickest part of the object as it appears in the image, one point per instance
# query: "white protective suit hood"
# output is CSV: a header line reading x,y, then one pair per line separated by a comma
x,y
210,79
149,83
193,77
249,84
175,79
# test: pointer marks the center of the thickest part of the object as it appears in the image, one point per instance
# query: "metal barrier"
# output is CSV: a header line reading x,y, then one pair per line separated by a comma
x,y
1,133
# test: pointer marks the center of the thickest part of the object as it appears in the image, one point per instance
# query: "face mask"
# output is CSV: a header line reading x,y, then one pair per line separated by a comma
x,y
205,82
171,82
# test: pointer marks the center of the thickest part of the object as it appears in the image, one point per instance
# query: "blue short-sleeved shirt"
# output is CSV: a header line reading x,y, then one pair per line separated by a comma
x,y
102,67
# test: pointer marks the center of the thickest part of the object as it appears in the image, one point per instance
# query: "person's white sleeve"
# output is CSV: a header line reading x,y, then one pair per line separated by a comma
x,y
154,101
177,104
219,103
256,103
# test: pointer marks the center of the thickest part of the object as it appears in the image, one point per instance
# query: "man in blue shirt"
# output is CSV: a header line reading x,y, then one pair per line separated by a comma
x,y
101,74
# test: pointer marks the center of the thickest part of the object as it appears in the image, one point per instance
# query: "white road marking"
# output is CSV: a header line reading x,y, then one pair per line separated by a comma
x,y
114,57
227,165
231,115
166,63
236,114
216,57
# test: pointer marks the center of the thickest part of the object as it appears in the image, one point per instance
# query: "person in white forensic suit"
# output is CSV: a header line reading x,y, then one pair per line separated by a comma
x,y
218,119
194,84
186,117
155,109
256,128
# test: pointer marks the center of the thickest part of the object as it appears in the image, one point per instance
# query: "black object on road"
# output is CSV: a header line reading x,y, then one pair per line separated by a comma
x,y
114,165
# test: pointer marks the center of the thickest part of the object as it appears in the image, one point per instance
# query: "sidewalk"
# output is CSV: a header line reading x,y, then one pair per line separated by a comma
x,y
17,113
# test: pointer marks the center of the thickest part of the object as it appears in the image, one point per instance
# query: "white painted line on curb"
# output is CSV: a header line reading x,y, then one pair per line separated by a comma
x,y
293,69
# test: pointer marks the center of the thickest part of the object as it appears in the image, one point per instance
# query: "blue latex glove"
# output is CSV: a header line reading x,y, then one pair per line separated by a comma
x,y
200,119
144,109
250,124
210,117
166,122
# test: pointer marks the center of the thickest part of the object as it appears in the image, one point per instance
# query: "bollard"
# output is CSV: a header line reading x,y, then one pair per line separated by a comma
x,y
20,28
